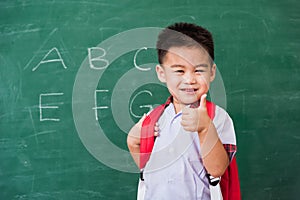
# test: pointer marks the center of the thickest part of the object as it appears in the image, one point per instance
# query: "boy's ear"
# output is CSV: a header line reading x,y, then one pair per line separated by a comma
x,y
213,72
160,73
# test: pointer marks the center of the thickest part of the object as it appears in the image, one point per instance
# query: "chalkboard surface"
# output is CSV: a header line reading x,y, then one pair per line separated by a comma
x,y
75,75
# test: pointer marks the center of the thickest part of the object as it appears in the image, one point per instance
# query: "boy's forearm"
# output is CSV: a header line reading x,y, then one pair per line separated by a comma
x,y
133,141
134,148
215,158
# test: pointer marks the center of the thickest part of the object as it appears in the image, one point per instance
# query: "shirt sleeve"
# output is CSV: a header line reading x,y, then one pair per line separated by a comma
x,y
225,129
231,150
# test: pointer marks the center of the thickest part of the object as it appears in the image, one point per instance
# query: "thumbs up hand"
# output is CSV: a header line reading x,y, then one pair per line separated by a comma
x,y
196,119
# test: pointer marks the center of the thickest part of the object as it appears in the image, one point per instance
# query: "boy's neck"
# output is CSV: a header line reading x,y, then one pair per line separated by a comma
x,y
178,106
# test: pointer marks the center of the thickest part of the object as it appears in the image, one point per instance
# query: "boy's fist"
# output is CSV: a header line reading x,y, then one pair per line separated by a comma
x,y
196,119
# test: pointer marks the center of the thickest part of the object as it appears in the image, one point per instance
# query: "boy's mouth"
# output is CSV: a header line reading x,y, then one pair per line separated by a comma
x,y
189,90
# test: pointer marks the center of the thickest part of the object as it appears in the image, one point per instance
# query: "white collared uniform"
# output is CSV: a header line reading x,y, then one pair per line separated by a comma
x,y
175,170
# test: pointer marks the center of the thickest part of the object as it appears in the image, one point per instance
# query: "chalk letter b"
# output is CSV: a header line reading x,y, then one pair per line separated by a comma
x,y
94,58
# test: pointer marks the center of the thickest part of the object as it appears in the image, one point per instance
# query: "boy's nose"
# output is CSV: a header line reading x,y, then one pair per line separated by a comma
x,y
190,78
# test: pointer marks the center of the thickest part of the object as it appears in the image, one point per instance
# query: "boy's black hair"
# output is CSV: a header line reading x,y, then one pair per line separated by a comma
x,y
184,34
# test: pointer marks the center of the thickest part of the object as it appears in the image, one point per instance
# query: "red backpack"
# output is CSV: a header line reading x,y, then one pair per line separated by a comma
x,y
230,185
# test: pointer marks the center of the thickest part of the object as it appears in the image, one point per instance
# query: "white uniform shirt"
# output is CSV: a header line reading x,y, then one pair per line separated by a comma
x,y
175,170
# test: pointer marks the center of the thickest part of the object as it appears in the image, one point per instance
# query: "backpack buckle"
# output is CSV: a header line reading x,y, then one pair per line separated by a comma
x,y
212,180
142,174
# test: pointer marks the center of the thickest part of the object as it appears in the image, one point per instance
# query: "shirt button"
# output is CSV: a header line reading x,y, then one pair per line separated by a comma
x,y
170,181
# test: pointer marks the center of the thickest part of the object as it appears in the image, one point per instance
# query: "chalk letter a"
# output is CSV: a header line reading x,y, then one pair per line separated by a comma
x,y
44,60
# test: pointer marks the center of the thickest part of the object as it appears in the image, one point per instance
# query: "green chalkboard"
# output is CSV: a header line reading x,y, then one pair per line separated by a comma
x,y
75,75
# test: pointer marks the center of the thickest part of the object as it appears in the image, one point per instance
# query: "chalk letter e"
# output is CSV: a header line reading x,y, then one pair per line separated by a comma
x,y
41,107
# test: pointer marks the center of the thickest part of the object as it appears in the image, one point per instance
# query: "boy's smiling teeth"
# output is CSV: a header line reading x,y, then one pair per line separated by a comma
x,y
189,90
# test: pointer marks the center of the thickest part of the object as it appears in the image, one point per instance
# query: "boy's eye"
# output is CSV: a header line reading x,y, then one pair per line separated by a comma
x,y
179,71
199,71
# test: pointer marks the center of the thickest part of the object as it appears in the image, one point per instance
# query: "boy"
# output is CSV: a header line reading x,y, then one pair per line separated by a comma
x,y
190,146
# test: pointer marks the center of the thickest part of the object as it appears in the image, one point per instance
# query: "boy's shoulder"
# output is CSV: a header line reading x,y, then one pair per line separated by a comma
x,y
224,126
221,114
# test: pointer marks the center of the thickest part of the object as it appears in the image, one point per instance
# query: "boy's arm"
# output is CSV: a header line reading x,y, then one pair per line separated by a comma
x,y
214,155
133,141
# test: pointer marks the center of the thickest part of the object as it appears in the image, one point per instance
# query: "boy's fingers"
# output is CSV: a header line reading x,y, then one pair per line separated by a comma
x,y
156,129
183,123
186,121
186,110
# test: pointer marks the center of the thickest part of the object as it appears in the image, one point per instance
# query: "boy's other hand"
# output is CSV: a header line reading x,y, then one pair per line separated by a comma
x,y
196,119
136,129
156,129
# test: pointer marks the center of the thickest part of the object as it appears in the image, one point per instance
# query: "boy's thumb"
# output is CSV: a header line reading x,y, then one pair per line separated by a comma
x,y
203,101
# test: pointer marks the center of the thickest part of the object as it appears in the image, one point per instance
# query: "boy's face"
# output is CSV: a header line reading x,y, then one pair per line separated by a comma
x,y
187,72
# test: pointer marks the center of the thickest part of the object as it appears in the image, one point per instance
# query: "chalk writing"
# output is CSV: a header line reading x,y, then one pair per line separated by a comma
x,y
43,44
142,106
44,60
96,106
134,60
97,61
92,60
42,107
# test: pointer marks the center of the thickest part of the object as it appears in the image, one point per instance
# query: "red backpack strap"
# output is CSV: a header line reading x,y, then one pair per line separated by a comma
x,y
147,133
230,183
211,107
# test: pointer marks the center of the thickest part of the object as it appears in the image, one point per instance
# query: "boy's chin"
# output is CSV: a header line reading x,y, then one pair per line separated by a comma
x,y
187,102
